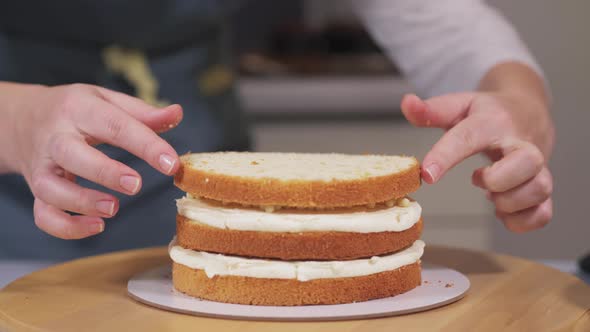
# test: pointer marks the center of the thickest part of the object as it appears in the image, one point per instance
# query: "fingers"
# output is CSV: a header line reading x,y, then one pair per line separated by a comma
x,y
161,120
62,225
527,220
158,119
110,124
523,162
520,185
74,155
531,193
65,195
468,137
440,112
468,131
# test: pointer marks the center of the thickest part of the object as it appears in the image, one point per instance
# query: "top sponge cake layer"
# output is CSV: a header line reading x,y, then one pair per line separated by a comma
x,y
298,179
298,166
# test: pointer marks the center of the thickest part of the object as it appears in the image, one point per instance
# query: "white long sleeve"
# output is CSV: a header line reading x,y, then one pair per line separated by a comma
x,y
443,46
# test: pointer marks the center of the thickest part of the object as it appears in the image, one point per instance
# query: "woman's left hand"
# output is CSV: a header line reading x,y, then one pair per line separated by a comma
x,y
516,133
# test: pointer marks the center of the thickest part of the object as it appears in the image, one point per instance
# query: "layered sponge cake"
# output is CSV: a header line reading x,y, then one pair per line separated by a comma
x,y
296,228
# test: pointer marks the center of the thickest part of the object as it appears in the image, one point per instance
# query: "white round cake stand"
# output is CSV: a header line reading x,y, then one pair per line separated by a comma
x,y
440,286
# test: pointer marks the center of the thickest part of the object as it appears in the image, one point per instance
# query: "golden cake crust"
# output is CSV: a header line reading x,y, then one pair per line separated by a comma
x,y
292,246
291,292
296,193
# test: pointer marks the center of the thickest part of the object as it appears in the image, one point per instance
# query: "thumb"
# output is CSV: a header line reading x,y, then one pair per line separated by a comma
x,y
158,119
439,112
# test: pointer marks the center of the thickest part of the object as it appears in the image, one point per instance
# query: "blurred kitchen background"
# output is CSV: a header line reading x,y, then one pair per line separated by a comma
x,y
312,80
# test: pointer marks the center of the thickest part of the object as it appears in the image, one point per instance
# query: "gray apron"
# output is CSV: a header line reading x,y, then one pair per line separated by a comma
x,y
185,46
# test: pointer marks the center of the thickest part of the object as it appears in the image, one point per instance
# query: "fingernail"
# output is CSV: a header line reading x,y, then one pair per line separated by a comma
x,y
96,228
433,171
106,207
166,163
130,183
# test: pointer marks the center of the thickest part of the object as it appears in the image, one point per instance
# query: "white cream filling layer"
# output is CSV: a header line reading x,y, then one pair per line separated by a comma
x,y
391,219
222,265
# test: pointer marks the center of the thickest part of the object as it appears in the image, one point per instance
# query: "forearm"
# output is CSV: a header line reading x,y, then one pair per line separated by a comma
x,y
10,95
444,46
529,92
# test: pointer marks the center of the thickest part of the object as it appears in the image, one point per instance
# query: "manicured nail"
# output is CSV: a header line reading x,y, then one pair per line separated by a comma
x,y
96,228
106,207
130,183
166,163
433,171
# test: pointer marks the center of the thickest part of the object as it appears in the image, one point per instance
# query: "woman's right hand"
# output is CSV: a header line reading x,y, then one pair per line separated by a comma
x,y
55,129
